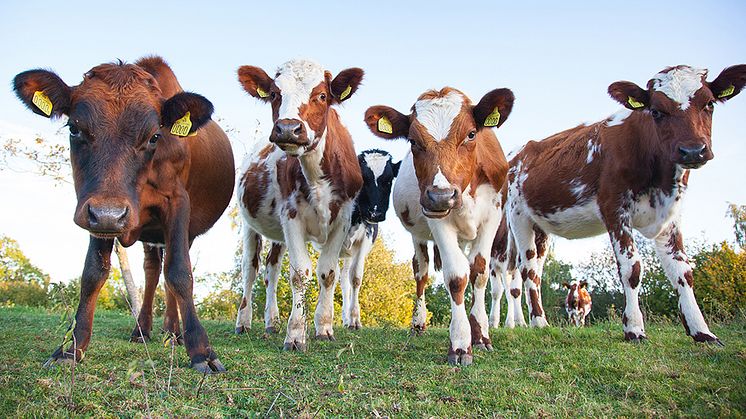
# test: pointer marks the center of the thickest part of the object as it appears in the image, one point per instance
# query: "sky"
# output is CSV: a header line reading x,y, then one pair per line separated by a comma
x,y
557,57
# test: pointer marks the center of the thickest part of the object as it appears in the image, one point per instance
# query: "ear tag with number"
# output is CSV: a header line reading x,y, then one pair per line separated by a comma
x,y
42,102
182,126
261,92
635,104
384,125
346,93
727,92
492,119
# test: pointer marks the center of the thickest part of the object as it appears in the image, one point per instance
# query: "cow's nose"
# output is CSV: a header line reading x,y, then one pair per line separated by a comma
x,y
288,131
107,219
692,154
441,199
376,216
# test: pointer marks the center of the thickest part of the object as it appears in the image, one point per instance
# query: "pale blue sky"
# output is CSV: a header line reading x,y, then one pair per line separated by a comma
x,y
557,57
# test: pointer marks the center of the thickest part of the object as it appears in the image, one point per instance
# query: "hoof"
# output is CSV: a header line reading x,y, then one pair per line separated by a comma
x,y
460,357
634,337
482,346
241,330
327,336
59,357
418,330
354,327
210,366
708,338
295,346
140,339
270,330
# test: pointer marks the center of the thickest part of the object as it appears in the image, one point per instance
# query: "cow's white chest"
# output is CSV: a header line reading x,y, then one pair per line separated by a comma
x,y
653,211
475,210
315,212
579,221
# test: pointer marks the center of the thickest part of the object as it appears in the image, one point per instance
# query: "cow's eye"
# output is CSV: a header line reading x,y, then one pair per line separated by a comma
x,y
273,95
74,131
656,114
154,139
472,134
710,106
322,97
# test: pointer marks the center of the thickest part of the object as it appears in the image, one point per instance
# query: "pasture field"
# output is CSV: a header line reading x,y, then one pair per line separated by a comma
x,y
557,371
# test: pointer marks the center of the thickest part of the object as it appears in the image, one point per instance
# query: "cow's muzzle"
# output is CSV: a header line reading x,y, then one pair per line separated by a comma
x,y
289,134
104,220
438,202
693,156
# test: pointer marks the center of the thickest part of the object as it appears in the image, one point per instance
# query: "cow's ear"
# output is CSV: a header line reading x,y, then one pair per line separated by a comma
x,y
346,83
43,92
255,81
566,285
629,94
583,284
184,113
493,109
387,122
729,83
395,167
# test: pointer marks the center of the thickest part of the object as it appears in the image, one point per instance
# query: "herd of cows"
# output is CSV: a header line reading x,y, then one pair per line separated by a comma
x,y
150,165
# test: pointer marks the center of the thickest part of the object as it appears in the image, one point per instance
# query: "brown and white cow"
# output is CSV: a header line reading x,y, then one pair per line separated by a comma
x,y
148,165
627,172
578,302
300,188
448,191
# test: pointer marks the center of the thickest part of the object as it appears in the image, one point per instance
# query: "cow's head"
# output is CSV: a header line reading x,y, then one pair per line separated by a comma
x,y
117,119
300,94
680,102
443,129
378,174
576,301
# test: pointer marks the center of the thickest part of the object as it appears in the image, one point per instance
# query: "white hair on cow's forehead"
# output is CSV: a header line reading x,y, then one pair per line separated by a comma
x,y
437,114
440,181
680,83
376,162
296,79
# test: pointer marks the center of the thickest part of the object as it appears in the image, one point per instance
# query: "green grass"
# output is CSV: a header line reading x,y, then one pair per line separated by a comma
x,y
553,371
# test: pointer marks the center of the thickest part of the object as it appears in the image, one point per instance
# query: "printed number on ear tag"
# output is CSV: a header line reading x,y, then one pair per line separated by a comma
x,y
345,93
41,101
635,104
182,126
261,92
727,92
384,125
492,119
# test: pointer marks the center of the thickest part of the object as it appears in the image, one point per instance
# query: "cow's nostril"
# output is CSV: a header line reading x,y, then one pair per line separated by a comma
x,y
278,129
298,130
92,215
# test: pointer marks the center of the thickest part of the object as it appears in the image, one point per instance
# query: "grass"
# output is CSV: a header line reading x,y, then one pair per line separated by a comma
x,y
375,372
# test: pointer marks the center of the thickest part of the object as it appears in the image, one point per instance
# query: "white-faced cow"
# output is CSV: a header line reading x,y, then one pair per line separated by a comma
x,y
627,172
300,188
448,191
578,302
370,209
149,165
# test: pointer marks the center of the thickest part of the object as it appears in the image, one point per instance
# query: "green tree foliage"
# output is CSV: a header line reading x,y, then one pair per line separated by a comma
x,y
720,280
552,292
738,214
21,283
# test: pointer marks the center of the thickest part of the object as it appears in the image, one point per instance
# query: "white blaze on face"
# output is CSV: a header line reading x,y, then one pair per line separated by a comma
x,y
680,84
437,115
440,181
296,79
377,162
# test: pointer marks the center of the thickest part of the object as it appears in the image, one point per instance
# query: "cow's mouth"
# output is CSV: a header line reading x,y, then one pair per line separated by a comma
x,y
435,214
691,166
105,234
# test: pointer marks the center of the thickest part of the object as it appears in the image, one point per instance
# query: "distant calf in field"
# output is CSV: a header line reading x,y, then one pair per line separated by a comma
x,y
148,165
627,172
448,191
577,302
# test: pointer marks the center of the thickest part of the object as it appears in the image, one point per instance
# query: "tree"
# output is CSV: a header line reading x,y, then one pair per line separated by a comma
x,y
738,214
720,280
16,267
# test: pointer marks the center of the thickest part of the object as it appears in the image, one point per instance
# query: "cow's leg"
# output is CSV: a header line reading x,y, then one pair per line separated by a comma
x,y
95,272
356,278
252,247
171,316
497,287
300,278
273,266
670,248
456,276
528,266
152,263
178,273
420,267
345,284
479,260
327,272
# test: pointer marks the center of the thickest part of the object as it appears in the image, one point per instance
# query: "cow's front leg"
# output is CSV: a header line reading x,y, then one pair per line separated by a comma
x,y
152,264
345,283
273,266
497,288
456,277
479,260
300,278
420,267
252,247
357,272
178,273
327,272
670,248
95,272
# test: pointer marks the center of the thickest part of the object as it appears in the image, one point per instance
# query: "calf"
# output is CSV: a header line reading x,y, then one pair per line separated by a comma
x,y
299,188
148,164
627,172
577,302
448,191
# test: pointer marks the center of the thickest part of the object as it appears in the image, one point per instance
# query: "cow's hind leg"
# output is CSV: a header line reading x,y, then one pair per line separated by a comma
x,y
273,266
523,233
252,247
497,287
357,271
420,266
152,264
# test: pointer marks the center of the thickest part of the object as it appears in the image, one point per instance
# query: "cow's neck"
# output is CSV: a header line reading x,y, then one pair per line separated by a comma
x,y
310,163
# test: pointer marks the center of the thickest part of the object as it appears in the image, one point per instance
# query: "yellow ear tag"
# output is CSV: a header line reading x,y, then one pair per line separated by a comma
x,y
182,126
492,119
346,93
727,92
42,102
384,125
261,92
635,104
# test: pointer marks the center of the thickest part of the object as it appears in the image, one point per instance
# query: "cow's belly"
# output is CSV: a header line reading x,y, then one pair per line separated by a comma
x,y
406,200
581,221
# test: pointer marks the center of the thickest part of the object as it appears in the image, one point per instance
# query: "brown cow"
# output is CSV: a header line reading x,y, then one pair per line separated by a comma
x,y
149,165
627,172
300,188
578,302
448,191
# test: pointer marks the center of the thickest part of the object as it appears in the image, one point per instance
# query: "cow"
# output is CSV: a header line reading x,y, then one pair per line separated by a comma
x,y
299,188
149,165
627,172
578,302
448,192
